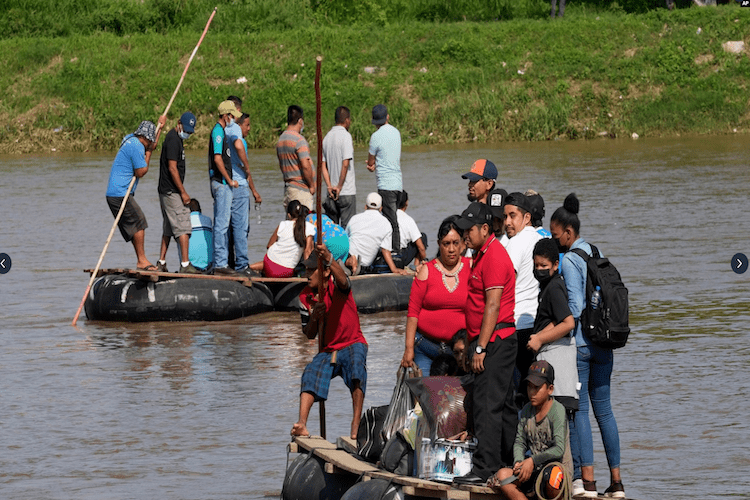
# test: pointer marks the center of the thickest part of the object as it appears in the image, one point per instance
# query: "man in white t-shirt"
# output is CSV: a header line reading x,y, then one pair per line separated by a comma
x,y
413,241
338,170
369,233
522,238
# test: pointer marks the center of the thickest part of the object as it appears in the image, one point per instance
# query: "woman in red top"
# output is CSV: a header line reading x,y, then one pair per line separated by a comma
x,y
437,300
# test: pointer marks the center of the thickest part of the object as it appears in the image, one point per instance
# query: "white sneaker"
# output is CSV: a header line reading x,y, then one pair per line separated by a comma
x,y
578,489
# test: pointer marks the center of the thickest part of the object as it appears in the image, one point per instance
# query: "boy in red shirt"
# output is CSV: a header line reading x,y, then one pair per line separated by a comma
x,y
344,350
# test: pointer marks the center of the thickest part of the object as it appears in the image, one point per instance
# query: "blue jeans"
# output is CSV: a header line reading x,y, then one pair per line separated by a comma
x,y
594,372
426,350
222,194
240,224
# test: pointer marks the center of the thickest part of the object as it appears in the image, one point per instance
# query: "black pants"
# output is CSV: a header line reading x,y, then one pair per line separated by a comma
x,y
341,210
494,412
525,357
390,205
410,252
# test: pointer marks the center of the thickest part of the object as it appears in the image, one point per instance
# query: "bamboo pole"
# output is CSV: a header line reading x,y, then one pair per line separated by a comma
x,y
319,219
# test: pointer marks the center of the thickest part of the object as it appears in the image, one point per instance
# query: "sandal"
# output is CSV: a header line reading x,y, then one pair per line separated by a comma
x,y
147,268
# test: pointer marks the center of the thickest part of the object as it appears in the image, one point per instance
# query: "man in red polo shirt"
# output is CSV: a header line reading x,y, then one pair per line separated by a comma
x,y
344,350
493,345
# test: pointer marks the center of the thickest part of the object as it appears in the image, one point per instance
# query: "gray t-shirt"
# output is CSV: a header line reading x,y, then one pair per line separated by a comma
x,y
337,147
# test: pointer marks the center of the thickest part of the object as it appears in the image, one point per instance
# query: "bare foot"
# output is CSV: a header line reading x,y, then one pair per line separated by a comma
x,y
299,429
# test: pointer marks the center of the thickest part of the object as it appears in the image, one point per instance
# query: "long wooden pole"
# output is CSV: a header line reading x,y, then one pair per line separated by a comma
x,y
319,219
132,181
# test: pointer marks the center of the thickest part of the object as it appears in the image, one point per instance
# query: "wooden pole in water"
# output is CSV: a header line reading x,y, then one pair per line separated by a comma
x,y
319,219
132,181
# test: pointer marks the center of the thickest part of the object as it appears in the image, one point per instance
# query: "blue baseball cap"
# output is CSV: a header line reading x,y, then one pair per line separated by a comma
x,y
188,122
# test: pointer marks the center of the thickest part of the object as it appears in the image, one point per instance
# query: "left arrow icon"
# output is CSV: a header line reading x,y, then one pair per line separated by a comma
x,y
5,263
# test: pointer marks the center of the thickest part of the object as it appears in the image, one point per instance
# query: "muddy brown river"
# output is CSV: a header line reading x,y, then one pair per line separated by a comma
x,y
110,411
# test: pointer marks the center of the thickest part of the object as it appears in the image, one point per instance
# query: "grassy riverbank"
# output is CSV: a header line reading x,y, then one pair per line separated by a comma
x,y
593,73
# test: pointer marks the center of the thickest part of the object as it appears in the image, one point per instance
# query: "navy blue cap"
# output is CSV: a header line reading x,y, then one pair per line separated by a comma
x,y
188,122
379,114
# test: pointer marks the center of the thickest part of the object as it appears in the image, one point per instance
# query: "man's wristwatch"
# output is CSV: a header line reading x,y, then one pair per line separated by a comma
x,y
479,349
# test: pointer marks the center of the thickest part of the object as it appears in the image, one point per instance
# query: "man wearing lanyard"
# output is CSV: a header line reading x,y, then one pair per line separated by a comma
x,y
220,173
493,344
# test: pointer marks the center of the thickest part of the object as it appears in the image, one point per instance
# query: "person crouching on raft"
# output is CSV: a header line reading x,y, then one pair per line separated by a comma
x,y
344,349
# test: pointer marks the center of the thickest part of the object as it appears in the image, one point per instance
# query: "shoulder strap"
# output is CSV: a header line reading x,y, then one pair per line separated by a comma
x,y
582,254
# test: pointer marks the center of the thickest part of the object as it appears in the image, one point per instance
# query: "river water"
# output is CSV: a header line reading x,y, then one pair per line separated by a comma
x,y
203,410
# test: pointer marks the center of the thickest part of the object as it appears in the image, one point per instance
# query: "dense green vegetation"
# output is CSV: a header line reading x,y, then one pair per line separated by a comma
x,y
73,84
69,17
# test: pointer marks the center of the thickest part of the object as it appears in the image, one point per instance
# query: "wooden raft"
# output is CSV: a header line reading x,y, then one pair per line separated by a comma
x,y
155,276
340,461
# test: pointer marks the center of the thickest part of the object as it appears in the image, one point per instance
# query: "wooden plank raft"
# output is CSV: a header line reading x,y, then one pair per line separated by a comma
x,y
155,276
339,460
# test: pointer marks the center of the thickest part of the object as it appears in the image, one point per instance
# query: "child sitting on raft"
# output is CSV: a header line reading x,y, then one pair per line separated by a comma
x,y
290,242
541,441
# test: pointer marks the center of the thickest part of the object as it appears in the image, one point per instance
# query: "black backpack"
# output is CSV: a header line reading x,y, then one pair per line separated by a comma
x,y
607,325
370,440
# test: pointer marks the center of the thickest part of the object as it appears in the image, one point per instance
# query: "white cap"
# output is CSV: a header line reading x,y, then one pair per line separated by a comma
x,y
374,200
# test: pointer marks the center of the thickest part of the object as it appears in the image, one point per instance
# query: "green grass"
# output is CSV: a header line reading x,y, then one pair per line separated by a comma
x,y
598,70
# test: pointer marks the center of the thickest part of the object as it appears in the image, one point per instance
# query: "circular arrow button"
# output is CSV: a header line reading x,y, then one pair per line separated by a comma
x,y
739,263
5,263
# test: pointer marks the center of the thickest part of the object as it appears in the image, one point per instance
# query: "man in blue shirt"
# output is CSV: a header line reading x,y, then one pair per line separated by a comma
x,y
132,161
385,160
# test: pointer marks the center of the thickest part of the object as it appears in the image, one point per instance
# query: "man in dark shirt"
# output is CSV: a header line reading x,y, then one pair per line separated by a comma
x,y
173,197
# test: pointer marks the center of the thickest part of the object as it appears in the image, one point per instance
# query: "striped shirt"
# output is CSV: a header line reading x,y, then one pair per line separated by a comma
x,y
291,149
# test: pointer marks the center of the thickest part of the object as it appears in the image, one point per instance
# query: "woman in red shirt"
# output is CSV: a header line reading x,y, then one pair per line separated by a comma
x,y
437,300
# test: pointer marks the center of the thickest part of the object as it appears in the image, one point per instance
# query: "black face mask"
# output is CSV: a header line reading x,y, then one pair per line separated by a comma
x,y
560,248
543,276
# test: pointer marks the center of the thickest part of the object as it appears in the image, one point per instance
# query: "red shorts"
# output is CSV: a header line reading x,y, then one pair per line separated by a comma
x,y
273,270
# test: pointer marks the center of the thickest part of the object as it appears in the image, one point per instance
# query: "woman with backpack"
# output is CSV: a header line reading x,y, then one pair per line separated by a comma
x,y
594,363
